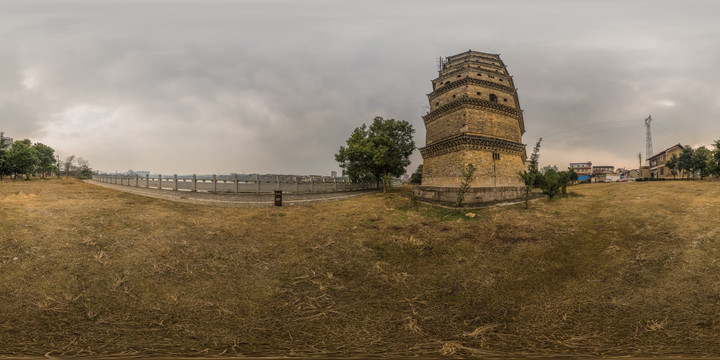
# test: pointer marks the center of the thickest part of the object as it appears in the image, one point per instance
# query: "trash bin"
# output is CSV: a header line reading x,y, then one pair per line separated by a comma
x,y
278,197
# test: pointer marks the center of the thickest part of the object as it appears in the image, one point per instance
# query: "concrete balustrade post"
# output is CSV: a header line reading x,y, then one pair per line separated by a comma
x,y
194,183
147,180
311,184
137,180
159,182
257,184
297,186
237,184
335,184
214,184
175,187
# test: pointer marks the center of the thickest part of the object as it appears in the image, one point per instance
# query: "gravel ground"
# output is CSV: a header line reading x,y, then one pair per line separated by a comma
x,y
234,200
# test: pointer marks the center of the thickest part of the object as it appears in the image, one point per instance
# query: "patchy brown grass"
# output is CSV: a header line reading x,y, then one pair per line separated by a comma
x,y
619,269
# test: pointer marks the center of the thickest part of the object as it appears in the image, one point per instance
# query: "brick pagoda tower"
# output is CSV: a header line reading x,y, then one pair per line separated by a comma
x,y
474,118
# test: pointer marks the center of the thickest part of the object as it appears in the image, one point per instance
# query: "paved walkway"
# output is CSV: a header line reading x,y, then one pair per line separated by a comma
x,y
234,200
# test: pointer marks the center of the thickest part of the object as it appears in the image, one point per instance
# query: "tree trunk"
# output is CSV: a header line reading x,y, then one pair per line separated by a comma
x,y
384,180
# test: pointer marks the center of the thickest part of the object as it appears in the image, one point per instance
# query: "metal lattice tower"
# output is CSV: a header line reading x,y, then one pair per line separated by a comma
x,y
648,139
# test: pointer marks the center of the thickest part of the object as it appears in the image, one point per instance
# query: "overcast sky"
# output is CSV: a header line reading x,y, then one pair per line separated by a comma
x,y
277,86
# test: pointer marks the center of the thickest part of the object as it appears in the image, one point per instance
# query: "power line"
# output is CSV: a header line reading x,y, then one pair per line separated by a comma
x,y
671,133
614,123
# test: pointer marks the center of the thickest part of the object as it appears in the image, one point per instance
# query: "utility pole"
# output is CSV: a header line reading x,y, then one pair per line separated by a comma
x,y
639,161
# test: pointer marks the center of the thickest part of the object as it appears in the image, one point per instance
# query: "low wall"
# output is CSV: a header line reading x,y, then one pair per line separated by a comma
x,y
233,184
473,196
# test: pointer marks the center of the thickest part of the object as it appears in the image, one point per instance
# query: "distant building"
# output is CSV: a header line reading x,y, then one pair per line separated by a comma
x,y
600,169
657,162
582,169
333,174
631,174
606,177
644,172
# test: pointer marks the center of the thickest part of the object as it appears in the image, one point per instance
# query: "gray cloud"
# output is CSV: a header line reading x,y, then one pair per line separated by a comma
x,y
277,86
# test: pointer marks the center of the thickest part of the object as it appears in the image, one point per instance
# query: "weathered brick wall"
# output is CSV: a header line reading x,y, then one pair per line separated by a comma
x,y
473,121
473,196
446,170
473,92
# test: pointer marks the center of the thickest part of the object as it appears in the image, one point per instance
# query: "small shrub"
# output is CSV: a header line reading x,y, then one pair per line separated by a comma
x,y
468,175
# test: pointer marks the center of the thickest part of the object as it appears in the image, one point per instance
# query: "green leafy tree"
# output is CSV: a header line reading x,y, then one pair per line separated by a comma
x,y
550,183
85,171
702,161
379,151
416,177
4,164
564,181
530,176
528,179
356,158
46,157
673,164
468,175
573,175
23,158
716,159
686,160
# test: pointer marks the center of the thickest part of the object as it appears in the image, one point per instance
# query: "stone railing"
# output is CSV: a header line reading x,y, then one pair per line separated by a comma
x,y
233,184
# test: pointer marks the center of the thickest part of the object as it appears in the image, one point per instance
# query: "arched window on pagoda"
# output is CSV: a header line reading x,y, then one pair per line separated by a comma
x,y
493,98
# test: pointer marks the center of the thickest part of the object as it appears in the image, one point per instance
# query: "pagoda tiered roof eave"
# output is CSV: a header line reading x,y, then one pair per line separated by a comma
x,y
472,142
470,81
471,103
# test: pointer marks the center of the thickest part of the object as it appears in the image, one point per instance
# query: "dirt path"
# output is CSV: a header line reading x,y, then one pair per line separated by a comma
x,y
233,200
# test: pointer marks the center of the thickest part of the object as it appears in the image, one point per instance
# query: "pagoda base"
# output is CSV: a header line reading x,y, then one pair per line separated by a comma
x,y
474,196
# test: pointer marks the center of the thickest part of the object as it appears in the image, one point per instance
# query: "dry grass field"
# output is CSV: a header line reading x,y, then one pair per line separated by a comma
x,y
615,269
